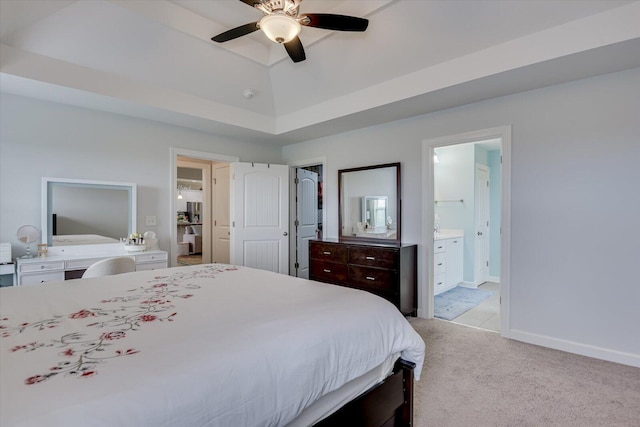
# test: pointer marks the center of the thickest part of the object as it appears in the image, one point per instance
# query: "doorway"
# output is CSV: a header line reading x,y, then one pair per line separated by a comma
x,y
463,226
307,215
193,211
208,238
466,223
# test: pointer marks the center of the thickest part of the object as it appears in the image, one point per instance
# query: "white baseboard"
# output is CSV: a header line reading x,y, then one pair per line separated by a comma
x,y
576,348
495,279
468,285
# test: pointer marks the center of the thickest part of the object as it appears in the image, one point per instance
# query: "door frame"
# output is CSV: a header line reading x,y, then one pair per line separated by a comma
x,y
174,152
477,280
207,213
426,288
292,215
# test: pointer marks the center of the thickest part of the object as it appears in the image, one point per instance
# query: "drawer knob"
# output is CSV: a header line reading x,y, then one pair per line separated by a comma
x,y
370,278
326,270
326,253
42,267
439,283
371,258
440,264
439,247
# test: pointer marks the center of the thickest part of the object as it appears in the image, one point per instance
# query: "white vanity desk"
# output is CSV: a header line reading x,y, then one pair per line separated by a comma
x,y
69,262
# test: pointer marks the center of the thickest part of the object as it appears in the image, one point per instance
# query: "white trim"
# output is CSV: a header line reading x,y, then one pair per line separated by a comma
x,y
425,287
173,190
494,279
577,348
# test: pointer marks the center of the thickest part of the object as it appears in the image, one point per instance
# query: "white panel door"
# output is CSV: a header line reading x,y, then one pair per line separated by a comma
x,y
482,224
306,226
221,221
260,216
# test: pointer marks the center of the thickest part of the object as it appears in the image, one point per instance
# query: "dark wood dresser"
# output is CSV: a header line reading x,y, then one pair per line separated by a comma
x,y
389,271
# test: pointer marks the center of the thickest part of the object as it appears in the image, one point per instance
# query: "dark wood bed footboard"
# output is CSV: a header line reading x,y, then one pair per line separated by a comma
x,y
387,404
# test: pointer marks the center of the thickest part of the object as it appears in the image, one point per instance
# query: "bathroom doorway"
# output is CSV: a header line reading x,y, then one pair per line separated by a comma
x,y
466,274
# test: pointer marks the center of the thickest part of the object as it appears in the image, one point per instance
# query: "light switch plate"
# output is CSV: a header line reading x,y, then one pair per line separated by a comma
x,y
151,220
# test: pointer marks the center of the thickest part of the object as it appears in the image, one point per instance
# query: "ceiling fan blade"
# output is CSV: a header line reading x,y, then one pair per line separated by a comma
x,y
250,2
234,33
330,21
295,50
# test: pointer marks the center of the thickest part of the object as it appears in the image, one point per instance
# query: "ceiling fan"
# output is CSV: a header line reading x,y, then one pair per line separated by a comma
x,y
282,24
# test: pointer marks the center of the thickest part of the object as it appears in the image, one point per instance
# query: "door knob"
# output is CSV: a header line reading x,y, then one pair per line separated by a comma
x,y
479,233
285,234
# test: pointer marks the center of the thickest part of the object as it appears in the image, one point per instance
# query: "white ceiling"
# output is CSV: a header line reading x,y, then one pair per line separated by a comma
x,y
155,59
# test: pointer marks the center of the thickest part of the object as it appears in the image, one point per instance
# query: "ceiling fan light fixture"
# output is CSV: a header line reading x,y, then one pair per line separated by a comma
x,y
280,28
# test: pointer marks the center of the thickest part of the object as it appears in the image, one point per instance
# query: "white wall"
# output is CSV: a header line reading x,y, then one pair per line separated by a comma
x,y
575,202
40,138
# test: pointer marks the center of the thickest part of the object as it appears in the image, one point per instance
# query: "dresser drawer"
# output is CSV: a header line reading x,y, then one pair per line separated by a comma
x,y
373,278
439,246
374,257
328,251
41,266
327,271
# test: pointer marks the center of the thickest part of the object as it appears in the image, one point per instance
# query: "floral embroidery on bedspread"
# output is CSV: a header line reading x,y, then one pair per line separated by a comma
x,y
119,316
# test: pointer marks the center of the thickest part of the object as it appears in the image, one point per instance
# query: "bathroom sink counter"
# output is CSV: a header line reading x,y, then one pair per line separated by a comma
x,y
448,234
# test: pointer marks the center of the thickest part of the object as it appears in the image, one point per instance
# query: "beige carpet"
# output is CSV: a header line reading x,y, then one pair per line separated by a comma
x,y
476,378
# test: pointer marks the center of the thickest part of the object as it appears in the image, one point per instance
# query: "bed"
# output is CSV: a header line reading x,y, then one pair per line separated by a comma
x,y
208,345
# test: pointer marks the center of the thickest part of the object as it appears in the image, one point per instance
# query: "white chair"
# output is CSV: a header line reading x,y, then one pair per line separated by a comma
x,y
110,266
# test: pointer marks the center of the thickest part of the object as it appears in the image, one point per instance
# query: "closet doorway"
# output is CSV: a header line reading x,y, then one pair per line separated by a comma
x,y
466,226
306,213
206,239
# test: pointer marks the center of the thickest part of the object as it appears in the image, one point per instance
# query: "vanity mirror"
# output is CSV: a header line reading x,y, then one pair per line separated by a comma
x,y
369,203
82,212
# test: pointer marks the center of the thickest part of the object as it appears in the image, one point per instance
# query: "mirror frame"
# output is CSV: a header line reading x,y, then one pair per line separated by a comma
x,y
46,192
398,239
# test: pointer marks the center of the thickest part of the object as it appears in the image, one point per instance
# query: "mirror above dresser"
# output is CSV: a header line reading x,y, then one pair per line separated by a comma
x,y
369,203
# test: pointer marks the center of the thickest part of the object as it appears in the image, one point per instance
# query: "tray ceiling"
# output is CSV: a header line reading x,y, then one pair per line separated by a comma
x,y
155,59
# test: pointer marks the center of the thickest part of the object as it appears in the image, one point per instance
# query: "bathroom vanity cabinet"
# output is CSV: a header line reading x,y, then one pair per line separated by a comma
x,y
448,262
389,271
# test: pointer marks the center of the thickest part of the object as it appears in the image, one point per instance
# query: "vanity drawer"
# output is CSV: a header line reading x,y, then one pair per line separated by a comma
x,y
328,251
439,246
373,278
81,264
40,278
374,257
327,271
439,283
439,263
151,257
151,266
42,266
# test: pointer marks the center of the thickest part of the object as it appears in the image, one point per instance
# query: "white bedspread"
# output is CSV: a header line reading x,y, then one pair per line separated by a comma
x,y
210,345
